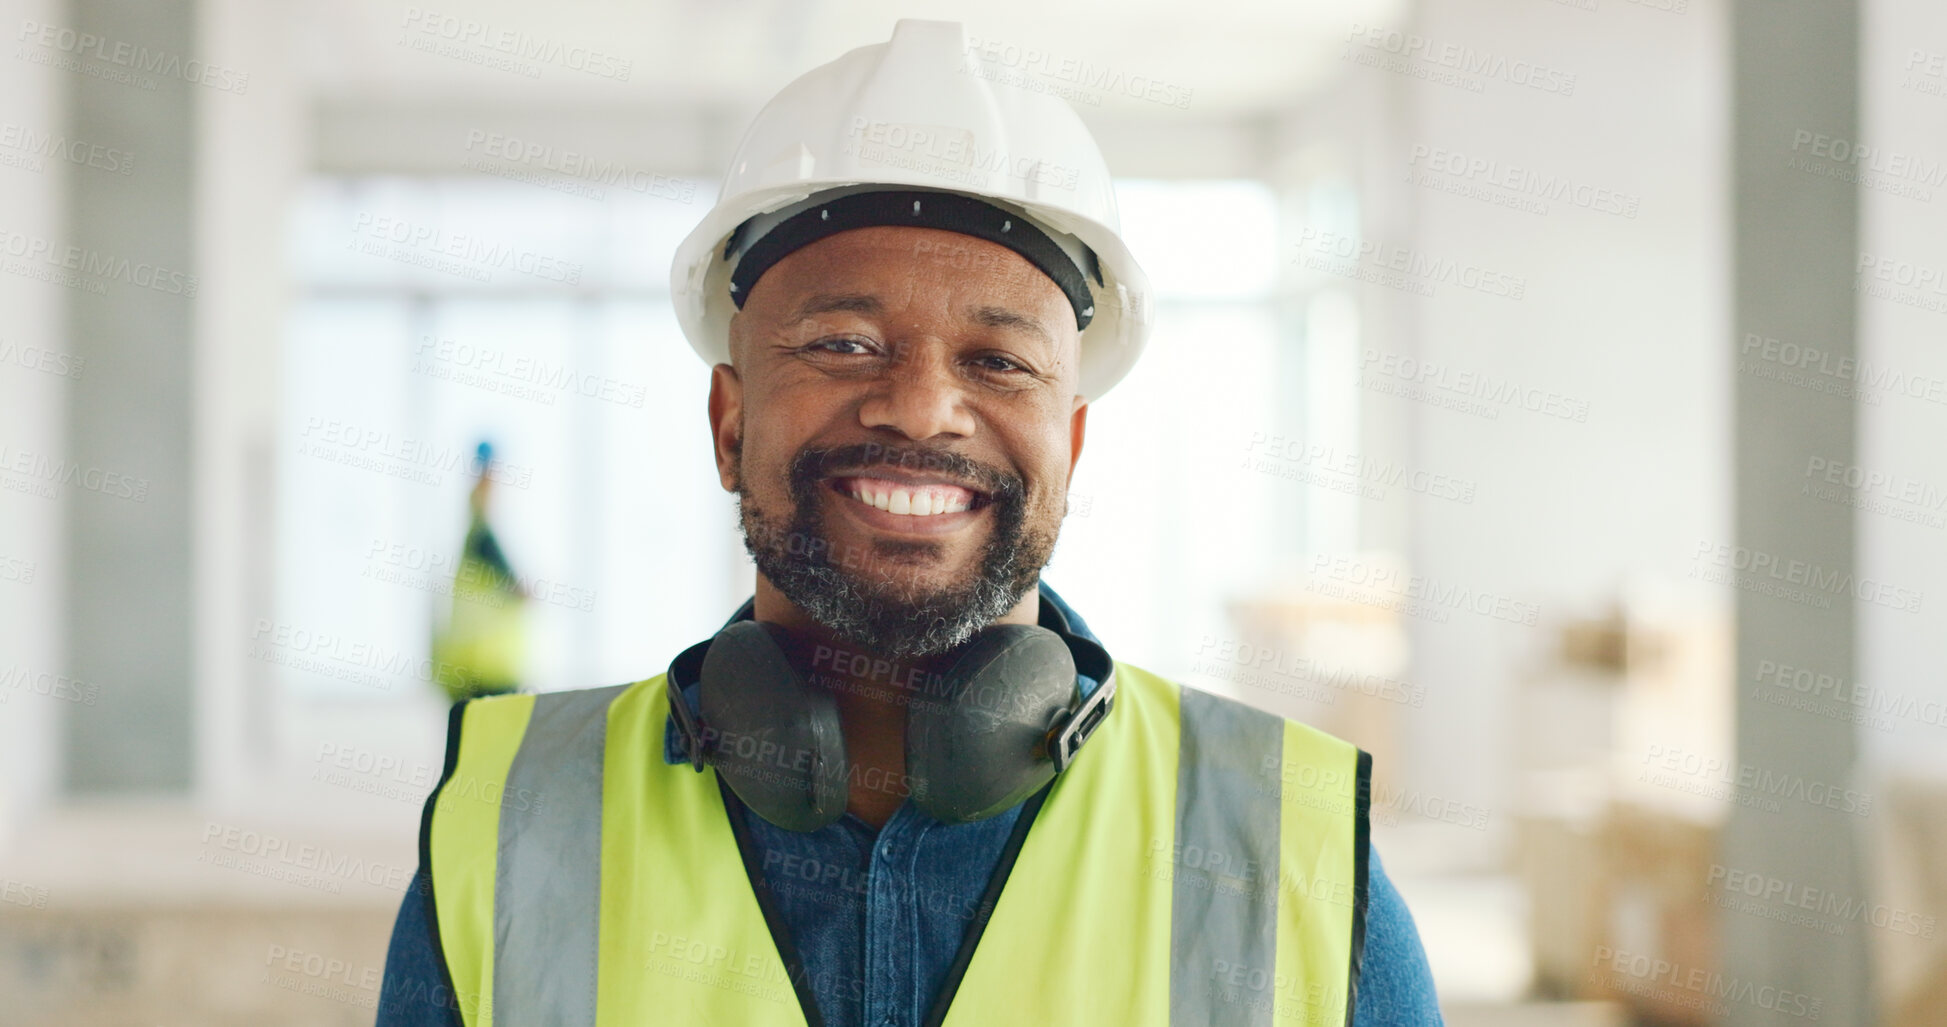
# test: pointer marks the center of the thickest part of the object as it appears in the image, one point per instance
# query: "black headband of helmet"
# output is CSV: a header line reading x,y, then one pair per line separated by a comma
x,y
949,211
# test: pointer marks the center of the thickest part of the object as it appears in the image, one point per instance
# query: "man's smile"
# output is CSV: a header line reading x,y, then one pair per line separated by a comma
x,y
916,507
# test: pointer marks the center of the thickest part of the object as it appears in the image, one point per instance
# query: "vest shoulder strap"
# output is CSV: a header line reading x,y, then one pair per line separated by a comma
x,y
579,879
1201,862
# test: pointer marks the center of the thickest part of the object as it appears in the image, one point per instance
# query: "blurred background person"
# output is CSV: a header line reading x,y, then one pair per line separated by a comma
x,y
482,645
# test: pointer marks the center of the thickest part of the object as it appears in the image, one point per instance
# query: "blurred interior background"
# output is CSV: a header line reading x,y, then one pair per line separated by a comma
x,y
1547,396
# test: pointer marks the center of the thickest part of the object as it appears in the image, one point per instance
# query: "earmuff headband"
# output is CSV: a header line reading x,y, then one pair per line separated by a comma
x,y
1010,720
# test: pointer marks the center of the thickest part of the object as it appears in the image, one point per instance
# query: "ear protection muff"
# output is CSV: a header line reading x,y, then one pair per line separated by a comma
x,y
1004,697
777,741
1008,717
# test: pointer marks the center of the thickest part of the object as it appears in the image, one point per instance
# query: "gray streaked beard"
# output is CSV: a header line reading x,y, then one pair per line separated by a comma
x,y
893,617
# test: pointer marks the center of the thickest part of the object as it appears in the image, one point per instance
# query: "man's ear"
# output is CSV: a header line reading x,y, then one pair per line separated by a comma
x,y
726,422
1077,427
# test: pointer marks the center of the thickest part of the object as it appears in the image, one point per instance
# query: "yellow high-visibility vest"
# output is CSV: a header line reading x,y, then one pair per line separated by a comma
x,y
1200,862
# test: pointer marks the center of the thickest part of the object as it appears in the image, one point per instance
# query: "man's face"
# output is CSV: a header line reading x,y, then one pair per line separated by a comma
x,y
882,374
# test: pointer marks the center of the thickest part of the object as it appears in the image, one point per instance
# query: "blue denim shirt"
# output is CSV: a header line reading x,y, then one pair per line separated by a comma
x,y
877,916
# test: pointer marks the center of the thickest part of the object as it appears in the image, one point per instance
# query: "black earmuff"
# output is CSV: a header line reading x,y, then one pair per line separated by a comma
x,y
777,740
1004,698
1007,717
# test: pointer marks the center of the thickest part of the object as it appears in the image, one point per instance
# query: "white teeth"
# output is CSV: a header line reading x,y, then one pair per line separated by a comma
x,y
911,502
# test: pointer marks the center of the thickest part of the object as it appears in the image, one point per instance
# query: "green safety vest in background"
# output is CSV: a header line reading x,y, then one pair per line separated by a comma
x,y
483,645
1201,862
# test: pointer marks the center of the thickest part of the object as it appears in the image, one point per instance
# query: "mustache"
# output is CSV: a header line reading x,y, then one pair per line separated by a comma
x,y
815,464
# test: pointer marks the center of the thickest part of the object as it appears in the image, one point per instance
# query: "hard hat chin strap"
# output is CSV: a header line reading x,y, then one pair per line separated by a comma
x,y
762,241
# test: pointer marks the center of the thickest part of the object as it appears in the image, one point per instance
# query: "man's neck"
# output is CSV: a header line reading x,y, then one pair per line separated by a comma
x,y
872,693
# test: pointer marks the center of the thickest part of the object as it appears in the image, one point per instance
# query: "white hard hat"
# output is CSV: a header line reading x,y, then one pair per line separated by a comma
x,y
918,114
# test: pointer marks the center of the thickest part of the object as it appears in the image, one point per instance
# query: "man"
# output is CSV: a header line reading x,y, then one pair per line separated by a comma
x,y
480,648
905,784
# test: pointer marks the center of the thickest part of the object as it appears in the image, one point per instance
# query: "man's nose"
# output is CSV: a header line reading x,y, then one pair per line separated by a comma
x,y
921,395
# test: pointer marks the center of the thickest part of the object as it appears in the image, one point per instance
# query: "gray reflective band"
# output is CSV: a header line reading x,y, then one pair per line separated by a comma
x,y
1224,911
548,885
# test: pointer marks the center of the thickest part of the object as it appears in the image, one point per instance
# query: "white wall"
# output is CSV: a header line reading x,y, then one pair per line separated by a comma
x,y
1625,314
251,149
1903,436
32,412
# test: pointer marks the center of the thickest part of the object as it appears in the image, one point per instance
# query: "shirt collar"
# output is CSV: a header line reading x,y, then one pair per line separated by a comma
x,y
1055,614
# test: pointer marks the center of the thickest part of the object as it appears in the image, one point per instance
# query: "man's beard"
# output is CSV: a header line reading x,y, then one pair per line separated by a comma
x,y
901,616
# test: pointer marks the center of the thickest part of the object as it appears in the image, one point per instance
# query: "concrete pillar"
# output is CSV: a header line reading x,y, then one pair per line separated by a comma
x,y
129,600
1794,67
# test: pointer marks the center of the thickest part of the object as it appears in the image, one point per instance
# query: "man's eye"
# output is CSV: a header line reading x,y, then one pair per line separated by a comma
x,y
835,346
994,363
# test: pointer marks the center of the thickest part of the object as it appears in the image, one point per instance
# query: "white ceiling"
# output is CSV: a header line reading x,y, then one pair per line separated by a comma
x,y
1237,57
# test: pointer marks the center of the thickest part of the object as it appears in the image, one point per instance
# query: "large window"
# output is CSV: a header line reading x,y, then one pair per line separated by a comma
x,y
438,314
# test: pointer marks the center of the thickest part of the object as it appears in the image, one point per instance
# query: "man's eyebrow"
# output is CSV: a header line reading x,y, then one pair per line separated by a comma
x,y
825,302
1001,317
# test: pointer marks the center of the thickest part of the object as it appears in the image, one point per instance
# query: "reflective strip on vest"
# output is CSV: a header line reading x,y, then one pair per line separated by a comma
x,y
1201,862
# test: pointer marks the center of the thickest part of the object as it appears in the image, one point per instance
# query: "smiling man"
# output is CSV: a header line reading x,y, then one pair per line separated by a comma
x,y
905,783
899,409
900,436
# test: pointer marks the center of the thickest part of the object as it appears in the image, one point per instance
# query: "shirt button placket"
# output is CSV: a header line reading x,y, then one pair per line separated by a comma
x,y
879,942
890,984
